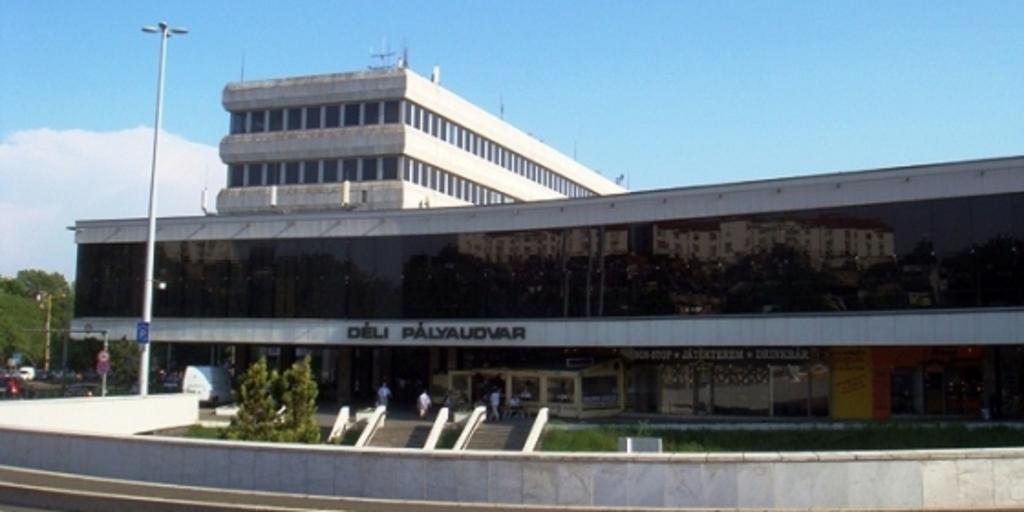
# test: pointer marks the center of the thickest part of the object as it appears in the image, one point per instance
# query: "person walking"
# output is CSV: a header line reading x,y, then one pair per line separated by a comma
x,y
383,394
495,399
423,404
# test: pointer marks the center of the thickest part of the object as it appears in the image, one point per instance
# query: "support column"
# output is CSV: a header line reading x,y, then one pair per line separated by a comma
x,y
243,358
451,355
344,375
287,357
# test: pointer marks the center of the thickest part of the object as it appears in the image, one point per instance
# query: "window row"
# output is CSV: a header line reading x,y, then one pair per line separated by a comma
x,y
315,117
313,171
444,182
457,135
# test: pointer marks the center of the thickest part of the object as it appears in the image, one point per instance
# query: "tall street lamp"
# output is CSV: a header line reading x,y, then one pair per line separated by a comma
x,y
47,298
147,291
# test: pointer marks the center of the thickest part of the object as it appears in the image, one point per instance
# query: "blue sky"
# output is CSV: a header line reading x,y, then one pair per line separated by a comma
x,y
668,93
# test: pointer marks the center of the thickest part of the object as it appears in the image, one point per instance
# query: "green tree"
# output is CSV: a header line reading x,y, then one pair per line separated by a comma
x,y
298,396
257,407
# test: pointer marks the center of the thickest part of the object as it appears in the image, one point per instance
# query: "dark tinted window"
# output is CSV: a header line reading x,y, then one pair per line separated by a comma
x,y
273,173
294,118
350,170
311,172
837,260
254,174
276,120
352,114
238,122
312,118
257,121
391,112
371,114
389,168
332,116
291,173
369,169
330,171
236,176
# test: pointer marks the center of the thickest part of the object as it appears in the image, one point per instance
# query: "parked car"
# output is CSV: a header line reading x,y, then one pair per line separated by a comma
x,y
83,389
11,387
211,383
27,372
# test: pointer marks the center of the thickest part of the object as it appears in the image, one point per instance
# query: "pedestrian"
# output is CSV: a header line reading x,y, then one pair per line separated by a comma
x,y
383,394
423,404
495,400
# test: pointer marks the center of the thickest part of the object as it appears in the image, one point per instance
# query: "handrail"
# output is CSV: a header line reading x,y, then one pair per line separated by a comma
x,y
536,430
340,424
435,431
472,424
374,422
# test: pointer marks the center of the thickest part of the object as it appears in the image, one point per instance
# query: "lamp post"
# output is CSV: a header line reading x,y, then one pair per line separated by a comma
x,y
48,297
147,291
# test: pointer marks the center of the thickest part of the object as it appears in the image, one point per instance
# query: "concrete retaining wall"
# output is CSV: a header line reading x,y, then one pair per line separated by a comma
x,y
109,415
937,478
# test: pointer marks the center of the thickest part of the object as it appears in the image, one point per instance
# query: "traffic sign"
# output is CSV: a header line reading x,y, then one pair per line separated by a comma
x,y
103,356
103,367
142,332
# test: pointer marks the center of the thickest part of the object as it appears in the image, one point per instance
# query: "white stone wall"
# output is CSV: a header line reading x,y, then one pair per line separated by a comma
x,y
961,479
110,415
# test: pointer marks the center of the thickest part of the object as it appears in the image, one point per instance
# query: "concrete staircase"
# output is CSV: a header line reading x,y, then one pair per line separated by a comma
x,y
509,434
401,434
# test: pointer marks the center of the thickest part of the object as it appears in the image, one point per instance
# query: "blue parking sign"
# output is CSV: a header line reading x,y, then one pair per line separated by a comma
x,y
142,332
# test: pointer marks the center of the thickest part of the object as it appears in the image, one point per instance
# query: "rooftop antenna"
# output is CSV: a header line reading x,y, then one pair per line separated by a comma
x,y
574,150
619,179
242,77
384,56
501,105
403,61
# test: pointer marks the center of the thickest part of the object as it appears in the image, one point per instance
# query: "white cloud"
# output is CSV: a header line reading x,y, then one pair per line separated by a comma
x,y
49,179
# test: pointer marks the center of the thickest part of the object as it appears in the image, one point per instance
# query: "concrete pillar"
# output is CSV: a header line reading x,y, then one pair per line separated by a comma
x,y
382,367
288,357
344,375
451,353
243,358
435,360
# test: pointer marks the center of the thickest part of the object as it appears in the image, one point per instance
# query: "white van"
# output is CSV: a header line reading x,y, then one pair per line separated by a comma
x,y
211,383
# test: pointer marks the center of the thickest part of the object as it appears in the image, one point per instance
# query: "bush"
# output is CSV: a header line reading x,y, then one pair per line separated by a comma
x,y
262,393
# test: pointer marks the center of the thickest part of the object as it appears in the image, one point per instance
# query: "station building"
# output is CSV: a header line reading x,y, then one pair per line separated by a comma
x,y
393,231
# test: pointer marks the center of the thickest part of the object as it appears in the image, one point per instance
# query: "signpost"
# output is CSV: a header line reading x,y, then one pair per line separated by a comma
x,y
103,368
142,332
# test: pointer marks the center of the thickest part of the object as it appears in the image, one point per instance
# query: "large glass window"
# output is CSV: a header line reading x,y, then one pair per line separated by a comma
x,y
352,114
330,171
371,113
291,173
312,118
237,122
311,171
332,116
369,169
777,263
236,176
389,168
257,121
274,173
391,112
254,175
276,120
350,170
295,119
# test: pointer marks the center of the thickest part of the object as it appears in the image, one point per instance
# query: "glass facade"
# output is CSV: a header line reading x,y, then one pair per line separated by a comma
x,y
948,253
